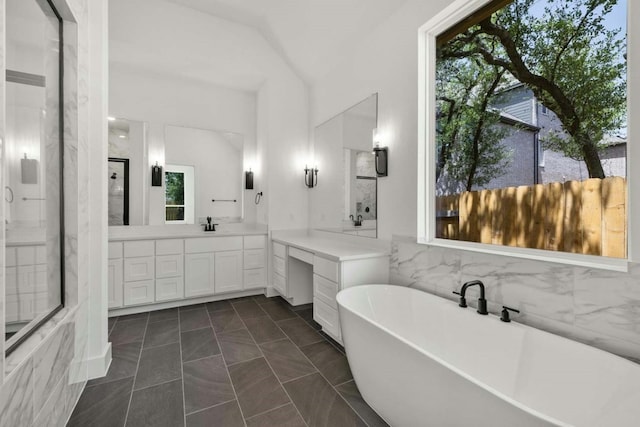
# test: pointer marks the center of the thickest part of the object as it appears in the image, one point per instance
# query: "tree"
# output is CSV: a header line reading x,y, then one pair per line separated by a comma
x,y
468,136
573,64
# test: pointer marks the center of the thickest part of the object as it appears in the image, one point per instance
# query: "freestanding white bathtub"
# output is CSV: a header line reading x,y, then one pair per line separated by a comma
x,y
420,360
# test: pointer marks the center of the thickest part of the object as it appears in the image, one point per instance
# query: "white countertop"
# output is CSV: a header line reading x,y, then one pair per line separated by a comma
x,y
157,232
328,247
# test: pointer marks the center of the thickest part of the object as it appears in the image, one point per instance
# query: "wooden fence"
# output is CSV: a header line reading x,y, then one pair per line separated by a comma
x,y
587,217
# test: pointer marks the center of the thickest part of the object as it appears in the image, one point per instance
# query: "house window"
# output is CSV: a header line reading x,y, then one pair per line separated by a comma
x,y
484,63
179,194
544,110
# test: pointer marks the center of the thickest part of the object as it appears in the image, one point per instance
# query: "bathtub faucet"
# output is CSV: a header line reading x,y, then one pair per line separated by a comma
x,y
482,302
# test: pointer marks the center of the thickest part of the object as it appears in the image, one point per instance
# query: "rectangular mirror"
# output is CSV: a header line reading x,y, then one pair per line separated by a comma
x,y
345,200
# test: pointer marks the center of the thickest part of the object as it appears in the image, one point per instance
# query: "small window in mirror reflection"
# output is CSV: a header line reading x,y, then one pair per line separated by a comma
x,y
174,196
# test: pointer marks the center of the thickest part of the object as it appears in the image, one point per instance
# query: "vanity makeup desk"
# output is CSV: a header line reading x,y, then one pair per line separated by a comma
x,y
312,266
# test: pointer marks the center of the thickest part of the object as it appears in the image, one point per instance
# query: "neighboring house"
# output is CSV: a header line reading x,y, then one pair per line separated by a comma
x,y
520,102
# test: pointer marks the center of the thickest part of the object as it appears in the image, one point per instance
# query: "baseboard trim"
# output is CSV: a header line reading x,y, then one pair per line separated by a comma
x,y
98,366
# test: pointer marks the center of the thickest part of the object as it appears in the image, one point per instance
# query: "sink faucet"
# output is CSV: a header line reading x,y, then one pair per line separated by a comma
x,y
356,222
482,302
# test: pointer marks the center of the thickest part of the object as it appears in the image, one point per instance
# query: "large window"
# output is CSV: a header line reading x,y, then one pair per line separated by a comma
x,y
525,126
179,194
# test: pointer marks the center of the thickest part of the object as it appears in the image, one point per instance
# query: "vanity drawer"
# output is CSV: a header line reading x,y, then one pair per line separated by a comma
x,y
328,318
280,266
139,268
253,258
213,244
254,242
280,283
169,288
279,250
169,266
301,255
325,290
139,249
141,292
325,268
254,278
115,250
170,247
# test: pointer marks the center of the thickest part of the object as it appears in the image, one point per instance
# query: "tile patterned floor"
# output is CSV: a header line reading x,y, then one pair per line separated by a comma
x,y
253,362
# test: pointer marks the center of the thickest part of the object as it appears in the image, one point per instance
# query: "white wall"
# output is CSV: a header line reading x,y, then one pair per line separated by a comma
x,y
173,65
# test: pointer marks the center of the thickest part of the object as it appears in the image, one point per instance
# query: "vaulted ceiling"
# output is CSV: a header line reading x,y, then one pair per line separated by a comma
x,y
311,35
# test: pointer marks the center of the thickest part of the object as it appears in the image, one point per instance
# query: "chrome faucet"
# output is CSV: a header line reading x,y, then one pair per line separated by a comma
x,y
482,302
356,222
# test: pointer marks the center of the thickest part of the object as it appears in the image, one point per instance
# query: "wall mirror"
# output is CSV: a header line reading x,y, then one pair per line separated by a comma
x,y
215,161
32,169
127,176
345,201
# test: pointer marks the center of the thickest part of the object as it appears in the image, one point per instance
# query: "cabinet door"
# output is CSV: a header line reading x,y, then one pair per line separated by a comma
x,y
199,274
169,266
169,288
115,283
253,258
136,293
139,268
228,271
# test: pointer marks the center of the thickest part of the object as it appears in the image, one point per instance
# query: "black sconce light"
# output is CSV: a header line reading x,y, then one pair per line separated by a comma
x,y
310,177
248,180
156,175
381,160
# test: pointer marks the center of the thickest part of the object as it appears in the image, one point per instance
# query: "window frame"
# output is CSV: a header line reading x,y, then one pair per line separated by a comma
x,y
427,33
189,193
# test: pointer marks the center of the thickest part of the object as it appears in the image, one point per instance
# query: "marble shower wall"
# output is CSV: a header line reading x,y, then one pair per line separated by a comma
x,y
597,307
44,377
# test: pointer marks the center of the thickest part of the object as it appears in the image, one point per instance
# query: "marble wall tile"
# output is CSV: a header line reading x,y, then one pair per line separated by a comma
x,y
597,307
16,397
2,184
60,404
51,362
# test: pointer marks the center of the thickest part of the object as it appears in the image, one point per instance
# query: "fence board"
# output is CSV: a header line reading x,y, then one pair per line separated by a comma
x,y
485,215
538,213
554,218
591,215
523,216
614,215
572,222
509,211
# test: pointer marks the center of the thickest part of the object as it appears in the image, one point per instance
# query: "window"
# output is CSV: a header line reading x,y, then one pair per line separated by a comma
x,y
179,194
480,181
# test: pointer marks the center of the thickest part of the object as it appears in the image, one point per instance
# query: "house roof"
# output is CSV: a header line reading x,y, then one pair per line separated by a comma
x,y
508,119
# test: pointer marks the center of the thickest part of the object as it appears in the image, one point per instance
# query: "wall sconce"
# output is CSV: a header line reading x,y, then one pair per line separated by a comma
x,y
381,154
156,175
310,177
248,180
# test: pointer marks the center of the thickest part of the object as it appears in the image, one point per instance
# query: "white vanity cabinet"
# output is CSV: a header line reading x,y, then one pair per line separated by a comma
x,y
115,275
228,271
169,269
139,272
204,257
308,268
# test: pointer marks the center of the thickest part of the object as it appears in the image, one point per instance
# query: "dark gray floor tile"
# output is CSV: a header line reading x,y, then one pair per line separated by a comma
x,y
335,343
124,362
350,392
329,361
110,324
166,314
278,310
161,333
206,383
299,331
286,359
224,321
319,404
199,343
238,346
263,329
225,415
223,305
129,331
307,315
285,416
157,406
257,388
191,307
260,299
301,307
196,318
104,405
136,316
247,309
158,365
